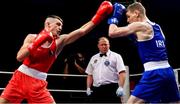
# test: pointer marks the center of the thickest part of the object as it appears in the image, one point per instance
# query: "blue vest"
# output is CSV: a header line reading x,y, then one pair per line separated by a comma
x,y
155,48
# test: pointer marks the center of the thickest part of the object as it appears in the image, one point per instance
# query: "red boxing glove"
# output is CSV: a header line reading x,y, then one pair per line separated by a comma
x,y
42,37
104,9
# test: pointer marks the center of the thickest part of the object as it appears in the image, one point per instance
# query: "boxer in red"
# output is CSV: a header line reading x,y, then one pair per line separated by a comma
x,y
38,53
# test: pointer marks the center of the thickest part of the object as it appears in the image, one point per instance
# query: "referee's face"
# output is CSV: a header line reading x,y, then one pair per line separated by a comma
x,y
103,45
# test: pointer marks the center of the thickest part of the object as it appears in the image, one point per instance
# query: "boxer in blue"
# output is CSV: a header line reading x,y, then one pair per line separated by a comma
x,y
158,84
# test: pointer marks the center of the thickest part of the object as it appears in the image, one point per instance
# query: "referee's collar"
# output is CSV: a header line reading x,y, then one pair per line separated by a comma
x,y
104,54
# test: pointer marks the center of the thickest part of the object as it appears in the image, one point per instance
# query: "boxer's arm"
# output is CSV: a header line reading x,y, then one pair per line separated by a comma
x,y
24,52
76,34
41,38
65,39
104,9
133,28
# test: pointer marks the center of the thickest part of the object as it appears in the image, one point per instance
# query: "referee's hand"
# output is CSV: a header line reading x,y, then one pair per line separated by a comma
x,y
88,92
119,91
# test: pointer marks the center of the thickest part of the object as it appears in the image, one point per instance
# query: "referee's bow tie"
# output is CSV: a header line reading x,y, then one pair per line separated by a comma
x,y
103,54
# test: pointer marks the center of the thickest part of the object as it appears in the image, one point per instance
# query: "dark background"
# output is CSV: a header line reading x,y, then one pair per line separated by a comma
x,y
20,17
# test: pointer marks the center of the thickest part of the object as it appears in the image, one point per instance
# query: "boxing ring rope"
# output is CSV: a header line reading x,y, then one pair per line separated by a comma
x,y
51,74
126,85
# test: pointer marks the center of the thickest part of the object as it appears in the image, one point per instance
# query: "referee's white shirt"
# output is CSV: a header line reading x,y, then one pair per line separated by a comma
x,y
105,69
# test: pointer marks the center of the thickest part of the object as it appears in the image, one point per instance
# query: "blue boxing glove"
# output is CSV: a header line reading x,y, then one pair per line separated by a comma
x,y
119,9
119,92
